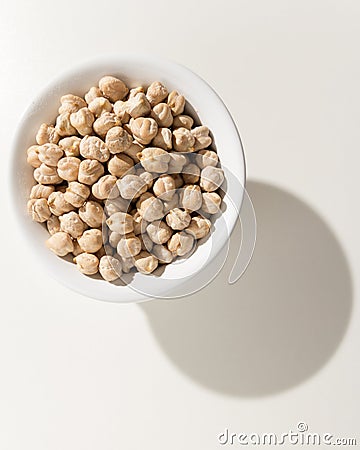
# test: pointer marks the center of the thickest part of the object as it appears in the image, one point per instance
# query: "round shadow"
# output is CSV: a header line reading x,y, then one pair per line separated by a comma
x,y
280,323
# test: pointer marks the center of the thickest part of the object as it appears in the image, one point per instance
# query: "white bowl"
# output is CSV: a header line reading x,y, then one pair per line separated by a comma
x,y
135,70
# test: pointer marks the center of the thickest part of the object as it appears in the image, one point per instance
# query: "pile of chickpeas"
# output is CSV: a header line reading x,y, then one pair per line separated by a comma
x,y
125,179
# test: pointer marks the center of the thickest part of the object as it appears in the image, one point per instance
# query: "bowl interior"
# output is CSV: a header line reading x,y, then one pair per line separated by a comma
x,y
134,70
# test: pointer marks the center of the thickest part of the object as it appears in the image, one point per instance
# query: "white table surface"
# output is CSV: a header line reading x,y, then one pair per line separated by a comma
x,y
280,346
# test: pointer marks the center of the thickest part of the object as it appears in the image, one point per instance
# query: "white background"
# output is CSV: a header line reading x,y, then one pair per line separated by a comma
x,y
279,347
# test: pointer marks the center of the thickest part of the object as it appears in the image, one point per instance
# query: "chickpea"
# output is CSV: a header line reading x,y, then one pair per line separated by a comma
x,y
156,93
110,268
202,138
151,209
87,263
77,249
92,147
129,246
71,104
171,204
144,129
121,223
147,177
199,227
183,140
53,224
136,90
164,187
131,186
183,121
91,240
82,121
63,126
127,264
133,150
46,175
33,156
163,139
154,159
113,88
90,170
211,202
211,178
41,191
116,205
118,140
191,197
92,214
138,105
176,163
100,105
206,158
38,209
146,263
120,164
162,114
58,205
191,173
114,238
162,254
70,145
177,219
105,122
176,102
72,224
146,195
181,243
105,188
120,109
76,194
50,154
139,223
60,243
47,135
68,168
92,93
146,243
159,232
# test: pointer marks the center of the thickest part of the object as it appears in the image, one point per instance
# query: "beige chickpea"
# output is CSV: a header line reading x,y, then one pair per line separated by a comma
x,y
120,109
146,243
144,129
38,209
83,121
191,197
156,93
63,126
114,238
92,214
77,249
154,159
147,177
211,178
206,158
183,140
163,254
177,219
183,121
47,175
41,191
176,102
138,105
71,103
163,139
171,204
68,168
110,268
159,232
47,135
105,188
211,202
176,163
91,240
58,205
60,243
120,164
92,93
127,264
90,170
199,227
113,88
121,223
105,122
181,243
116,205
146,263
129,246
202,138
131,186
151,209
76,194
72,224
53,224
92,147
99,106
50,154
118,140
133,151
33,156
162,114
191,173
87,263
164,187
139,223
70,145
